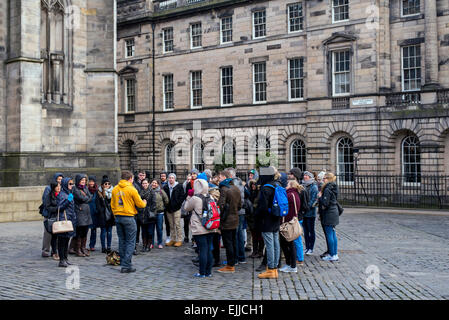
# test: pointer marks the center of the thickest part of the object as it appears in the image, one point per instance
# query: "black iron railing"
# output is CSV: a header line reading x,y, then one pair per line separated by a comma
x,y
443,96
403,99
395,191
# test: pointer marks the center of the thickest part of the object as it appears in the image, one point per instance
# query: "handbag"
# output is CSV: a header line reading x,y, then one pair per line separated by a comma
x,y
340,209
62,226
291,230
48,224
107,212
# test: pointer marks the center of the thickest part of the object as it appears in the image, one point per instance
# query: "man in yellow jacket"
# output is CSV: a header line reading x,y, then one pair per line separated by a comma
x,y
124,200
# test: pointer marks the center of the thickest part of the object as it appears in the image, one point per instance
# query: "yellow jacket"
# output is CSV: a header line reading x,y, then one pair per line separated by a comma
x,y
125,198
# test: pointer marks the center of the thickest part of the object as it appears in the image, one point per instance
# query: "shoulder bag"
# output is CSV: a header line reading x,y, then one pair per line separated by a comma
x,y
62,226
291,230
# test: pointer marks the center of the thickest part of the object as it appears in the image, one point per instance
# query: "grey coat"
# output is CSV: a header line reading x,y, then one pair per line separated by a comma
x,y
82,197
328,205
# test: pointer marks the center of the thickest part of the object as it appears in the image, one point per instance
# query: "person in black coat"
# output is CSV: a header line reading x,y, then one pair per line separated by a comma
x,y
82,197
329,214
105,218
268,223
176,197
51,207
66,210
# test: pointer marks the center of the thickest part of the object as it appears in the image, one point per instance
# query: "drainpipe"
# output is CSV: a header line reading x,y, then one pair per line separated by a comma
x,y
153,26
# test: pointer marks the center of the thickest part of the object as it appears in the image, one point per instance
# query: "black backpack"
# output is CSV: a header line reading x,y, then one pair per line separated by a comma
x,y
304,196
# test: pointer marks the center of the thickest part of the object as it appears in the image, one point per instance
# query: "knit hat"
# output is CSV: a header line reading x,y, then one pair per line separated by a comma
x,y
320,175
93,178
105,179
194,170
297,173
203,176
309,174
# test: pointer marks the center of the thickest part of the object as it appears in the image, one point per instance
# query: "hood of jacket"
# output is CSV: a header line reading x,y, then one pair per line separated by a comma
x,y
57,175
225,182
283,179
124,184
65,184
297,173
200,186
78,178
332,186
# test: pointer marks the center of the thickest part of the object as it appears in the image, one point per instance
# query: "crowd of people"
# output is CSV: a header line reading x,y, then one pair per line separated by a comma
x,y
139,207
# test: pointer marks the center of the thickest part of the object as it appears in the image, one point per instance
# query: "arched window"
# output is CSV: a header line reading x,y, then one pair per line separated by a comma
x,y
345,159
170,165
298,154
229,152
198,156
411,159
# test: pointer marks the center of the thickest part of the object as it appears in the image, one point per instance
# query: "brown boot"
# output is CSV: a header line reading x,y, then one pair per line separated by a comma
x,y
227,269
269,274
83,247
78,251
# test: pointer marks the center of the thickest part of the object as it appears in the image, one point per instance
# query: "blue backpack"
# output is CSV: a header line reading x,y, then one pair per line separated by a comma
x,y
280,201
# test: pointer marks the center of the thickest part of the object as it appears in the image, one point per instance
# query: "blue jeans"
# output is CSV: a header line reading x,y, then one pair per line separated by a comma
x,y
272,248
204,243
126,232
299,247
240,239
106,233
93,237
309,232
159,228
331,238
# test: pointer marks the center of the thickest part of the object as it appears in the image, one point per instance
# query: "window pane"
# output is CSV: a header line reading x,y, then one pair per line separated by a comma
x,y
411,68
196,33
168,40
296,78
168,92
260,85
410,7
411,159
298,155
345,159
226,30
227,85
197,89
295,17
259,23
340,9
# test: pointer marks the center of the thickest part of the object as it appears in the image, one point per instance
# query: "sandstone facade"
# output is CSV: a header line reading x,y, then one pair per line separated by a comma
x,y
376,115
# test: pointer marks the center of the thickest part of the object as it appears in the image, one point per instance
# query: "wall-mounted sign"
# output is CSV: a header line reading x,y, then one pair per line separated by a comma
x,y
362,102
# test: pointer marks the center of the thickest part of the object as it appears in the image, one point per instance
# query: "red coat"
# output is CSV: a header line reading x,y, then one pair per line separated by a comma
x,y
292,193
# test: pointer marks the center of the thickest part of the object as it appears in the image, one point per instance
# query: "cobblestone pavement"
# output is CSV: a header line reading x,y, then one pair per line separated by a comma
x,y
409,250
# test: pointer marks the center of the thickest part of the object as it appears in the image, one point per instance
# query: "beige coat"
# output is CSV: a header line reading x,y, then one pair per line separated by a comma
x,y
195,204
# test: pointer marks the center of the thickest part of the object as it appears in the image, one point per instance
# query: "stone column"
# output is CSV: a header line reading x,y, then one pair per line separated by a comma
x,y
431,45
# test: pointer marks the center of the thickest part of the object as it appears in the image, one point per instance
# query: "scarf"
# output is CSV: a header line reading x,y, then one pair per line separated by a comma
x,y
308,183
93,189
107,192
145,193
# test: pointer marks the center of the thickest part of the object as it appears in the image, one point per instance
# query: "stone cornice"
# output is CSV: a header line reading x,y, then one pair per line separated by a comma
x,y
24,59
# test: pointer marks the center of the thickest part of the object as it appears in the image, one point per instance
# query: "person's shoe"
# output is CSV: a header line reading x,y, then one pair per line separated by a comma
x,y
197,275
227,269
196,259
103,250
127,270
68,262
160,246
194,245
108,250
247,249
327,258
293,270
144,248
135,252
334,258
186,240
261,267
268,274
55,256
91,249
300,263
170,243
242,261
177,244
309,252
324,254
168,240
253,255
62,264
209,275
83,247
285,268
46,255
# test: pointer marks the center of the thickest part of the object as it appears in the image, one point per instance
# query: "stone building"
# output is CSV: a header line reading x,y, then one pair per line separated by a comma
x,y
344,85
57,89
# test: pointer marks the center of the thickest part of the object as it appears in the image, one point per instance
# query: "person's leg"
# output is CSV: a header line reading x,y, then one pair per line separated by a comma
x,y
306,232
240,241
216,248
186,228
130,230
335,242
171,222
103,238
93,238
269,246
121,238
325,235
138,227
54,244
285,249
330,239
61,249
46,243
277,248
177,232
229,242
109,237
150,234
201,242
312,233
159,226
209,256
167,225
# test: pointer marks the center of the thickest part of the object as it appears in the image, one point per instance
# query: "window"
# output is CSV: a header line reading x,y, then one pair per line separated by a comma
x,y
340,10
170,165
295,17
168,40
345,160
296,79
229,152
226,30
411,68
130,48
410,7
226,86
411,160
341,73
259,24
196,86
195,35
259,82
298,155
198,157
168,92
130,95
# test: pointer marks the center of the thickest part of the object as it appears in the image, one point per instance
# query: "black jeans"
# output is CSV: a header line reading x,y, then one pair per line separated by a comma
x,y
54,243
289,250
167,225
139,226
81,232
216,247
309,232
229,237
63,247
186,226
